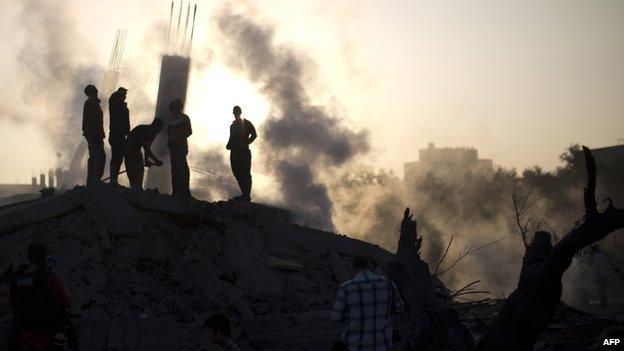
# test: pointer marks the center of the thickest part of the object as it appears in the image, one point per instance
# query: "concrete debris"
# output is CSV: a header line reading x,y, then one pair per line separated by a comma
x,y
18,216
286,265
143,263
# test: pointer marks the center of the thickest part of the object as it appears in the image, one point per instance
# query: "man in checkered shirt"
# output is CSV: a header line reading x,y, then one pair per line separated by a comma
x,y
365,303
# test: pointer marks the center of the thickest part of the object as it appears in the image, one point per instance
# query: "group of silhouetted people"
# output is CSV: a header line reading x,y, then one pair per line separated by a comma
x,y
126,144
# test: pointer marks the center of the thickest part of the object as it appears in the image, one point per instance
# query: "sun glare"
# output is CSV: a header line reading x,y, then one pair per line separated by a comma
x,y
213,93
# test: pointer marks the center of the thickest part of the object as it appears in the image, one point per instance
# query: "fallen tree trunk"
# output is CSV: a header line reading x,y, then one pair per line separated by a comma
x,y
427,323
529,309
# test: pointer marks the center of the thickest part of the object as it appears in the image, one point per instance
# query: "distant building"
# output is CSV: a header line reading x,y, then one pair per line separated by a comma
x,y
447,161
54,179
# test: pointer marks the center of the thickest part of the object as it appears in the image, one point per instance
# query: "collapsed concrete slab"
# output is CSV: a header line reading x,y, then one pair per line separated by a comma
x,y
21,215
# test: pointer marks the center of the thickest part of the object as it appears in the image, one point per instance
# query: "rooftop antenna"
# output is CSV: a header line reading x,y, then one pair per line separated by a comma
x,y
169,31
192,29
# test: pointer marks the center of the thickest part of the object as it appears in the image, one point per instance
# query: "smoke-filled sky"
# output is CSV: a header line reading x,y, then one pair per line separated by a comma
x,y
518,80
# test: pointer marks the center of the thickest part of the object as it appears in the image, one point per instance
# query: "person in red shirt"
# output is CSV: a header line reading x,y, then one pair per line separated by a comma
x,y
39,304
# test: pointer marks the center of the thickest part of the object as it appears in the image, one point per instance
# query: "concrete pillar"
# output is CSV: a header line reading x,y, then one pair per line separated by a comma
x,y
173,84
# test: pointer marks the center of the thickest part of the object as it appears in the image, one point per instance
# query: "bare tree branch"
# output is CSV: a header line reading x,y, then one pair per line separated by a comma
x,y
520,210
435,272
469,251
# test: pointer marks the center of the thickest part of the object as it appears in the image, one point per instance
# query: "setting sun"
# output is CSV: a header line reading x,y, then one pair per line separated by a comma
x,y
212,95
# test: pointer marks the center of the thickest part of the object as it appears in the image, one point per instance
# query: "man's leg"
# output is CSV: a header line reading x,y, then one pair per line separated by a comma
x,y
175,167
235,164
132,170
247,175
100,160
185,176
116,160
140,171
91,162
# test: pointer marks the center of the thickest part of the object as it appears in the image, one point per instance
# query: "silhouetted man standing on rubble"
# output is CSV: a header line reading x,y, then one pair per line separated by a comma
x,y
178,131
119,129
242,133
367,304
93,131
141,136
40,306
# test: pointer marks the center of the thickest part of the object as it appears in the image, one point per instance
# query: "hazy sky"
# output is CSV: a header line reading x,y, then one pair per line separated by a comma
x,y
518,80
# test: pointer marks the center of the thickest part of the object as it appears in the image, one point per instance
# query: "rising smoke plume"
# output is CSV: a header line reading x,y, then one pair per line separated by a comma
x,y
299,140
52,77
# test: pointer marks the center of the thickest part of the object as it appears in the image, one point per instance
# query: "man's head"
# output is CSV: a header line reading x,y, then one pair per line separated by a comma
x,y
237,111
91,91
360,263
176,106
123,92
37,253
157,125
218,327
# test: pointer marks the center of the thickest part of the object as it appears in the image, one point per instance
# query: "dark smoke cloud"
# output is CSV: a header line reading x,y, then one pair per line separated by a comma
x,y
299,140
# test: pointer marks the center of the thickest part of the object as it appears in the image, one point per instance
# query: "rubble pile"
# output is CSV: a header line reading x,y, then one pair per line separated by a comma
x,y
128,255
144,270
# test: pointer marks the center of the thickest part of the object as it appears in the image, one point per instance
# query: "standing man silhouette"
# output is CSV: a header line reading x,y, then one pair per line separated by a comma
x,y
178,131
119,129
93,131
242,133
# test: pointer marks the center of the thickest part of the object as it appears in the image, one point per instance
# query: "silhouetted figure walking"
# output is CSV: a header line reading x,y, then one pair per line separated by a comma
x,y
119,129
93,131
178,131
141,136
242,133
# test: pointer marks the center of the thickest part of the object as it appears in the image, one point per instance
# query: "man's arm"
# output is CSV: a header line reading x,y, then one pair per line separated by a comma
x,y
188,130
181,132
126,114
252,132
84,118
338,311
147,149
